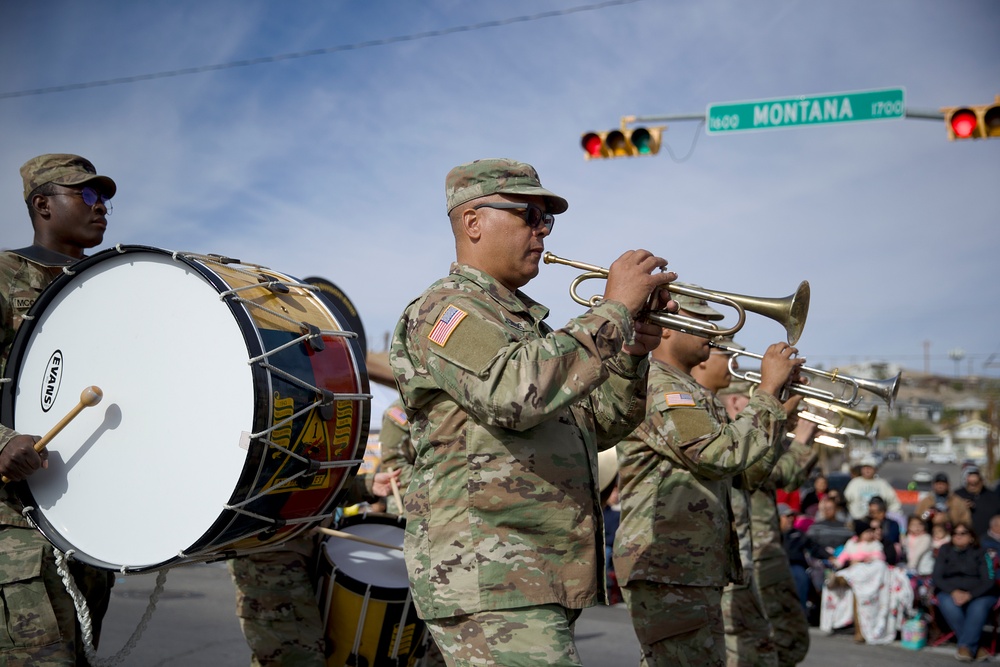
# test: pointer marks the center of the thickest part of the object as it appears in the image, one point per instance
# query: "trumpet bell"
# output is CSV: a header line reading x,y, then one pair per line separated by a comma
x,y
790,311
884,389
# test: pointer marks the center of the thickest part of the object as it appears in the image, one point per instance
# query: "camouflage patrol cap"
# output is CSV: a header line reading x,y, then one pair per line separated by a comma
x,y
697,307
62,169
497,176
741,387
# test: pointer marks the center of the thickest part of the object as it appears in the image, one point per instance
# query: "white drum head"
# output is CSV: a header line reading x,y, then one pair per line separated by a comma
x,y
141,476
370,564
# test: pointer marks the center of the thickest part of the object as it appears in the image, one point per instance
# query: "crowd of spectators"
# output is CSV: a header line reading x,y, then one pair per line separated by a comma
x,y
855,552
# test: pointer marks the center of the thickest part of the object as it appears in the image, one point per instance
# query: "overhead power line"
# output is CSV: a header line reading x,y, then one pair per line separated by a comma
x,y
317,52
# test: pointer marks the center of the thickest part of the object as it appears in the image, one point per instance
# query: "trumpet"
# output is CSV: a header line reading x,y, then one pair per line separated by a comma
x,y
849,395
789,311
836,426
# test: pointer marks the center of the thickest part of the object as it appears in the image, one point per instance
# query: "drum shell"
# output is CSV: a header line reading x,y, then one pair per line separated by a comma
x,y
251,478
389,605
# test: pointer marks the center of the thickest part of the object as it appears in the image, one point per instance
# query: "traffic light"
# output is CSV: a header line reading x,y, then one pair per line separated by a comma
x,y
973,122
621,143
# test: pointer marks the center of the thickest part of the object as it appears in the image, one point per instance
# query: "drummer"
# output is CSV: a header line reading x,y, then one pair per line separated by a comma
x,y
68,204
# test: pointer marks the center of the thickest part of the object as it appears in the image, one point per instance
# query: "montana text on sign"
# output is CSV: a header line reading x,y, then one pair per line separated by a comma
x,y
806,110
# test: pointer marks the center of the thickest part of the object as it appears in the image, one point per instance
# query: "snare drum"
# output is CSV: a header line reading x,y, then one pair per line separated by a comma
x,y
368,612
235,408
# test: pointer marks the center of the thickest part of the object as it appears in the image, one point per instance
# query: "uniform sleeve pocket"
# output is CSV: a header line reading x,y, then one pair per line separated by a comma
x,y
28,618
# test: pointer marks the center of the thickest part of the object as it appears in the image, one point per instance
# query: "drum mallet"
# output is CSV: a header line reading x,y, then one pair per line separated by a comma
x,y
88,397
356,538
395,493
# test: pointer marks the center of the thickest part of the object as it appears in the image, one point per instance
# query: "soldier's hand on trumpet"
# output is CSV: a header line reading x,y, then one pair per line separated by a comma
x,y
632,278
18,459
778,367
803,430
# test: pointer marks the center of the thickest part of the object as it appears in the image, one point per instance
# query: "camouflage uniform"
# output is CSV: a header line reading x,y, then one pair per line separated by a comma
x,y
676,544
398,454
749,640
397,449
276,598
774,575
40,624
506,417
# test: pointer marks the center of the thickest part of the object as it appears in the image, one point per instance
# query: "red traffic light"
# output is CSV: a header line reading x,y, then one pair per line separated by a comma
x,y
592,143
963,123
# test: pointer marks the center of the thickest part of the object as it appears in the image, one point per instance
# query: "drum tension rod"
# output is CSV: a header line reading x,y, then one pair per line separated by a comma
x,y
275,286
326,409
315,337
222,259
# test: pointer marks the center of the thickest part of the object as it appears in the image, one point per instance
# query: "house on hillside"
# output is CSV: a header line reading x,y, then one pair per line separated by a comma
x,y
923,409
968,439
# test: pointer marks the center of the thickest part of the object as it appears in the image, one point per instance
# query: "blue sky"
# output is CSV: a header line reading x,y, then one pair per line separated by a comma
x,y
334,164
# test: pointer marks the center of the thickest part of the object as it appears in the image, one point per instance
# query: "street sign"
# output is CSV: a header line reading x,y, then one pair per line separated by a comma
x,y
806,110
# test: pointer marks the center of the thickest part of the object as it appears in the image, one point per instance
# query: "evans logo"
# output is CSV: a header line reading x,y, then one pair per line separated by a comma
x,y
52,380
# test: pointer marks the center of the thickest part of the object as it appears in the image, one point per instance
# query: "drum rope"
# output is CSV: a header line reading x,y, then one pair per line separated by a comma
x,y
292,343
361,621
321,465
207,259
258,306
86,623
328,395
399,628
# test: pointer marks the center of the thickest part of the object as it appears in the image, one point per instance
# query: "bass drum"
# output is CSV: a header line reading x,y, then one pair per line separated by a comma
x,y
235,408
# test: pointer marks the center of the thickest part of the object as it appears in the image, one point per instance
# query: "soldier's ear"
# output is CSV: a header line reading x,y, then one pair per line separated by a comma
x,y
472,224
39,207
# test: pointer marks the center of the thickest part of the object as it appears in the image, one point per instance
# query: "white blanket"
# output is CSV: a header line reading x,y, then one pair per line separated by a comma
x,y
884,595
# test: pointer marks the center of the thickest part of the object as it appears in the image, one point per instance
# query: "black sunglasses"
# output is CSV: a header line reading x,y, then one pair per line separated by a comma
x,y
90,197
535,217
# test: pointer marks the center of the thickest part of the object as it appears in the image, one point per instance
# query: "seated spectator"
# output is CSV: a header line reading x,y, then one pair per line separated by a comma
x,y
810,504
866,486
838,499
965,589
874,596
982,503
892,550
799,549
829,530
943,506
888,530
790,498
864,547
917,547
991,539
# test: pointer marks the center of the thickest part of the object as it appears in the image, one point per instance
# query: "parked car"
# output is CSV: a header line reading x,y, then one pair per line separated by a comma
x,y
923,476
892,455
941,457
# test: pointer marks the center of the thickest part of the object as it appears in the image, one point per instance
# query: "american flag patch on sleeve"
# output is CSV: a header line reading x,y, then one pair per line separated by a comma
x,y
446,325
397,414
679,399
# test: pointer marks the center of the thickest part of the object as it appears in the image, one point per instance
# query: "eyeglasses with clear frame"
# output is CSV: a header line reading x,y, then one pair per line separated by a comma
x,y
90,197
534,217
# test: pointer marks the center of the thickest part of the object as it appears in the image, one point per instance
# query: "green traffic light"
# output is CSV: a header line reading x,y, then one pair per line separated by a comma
x,y
642,140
